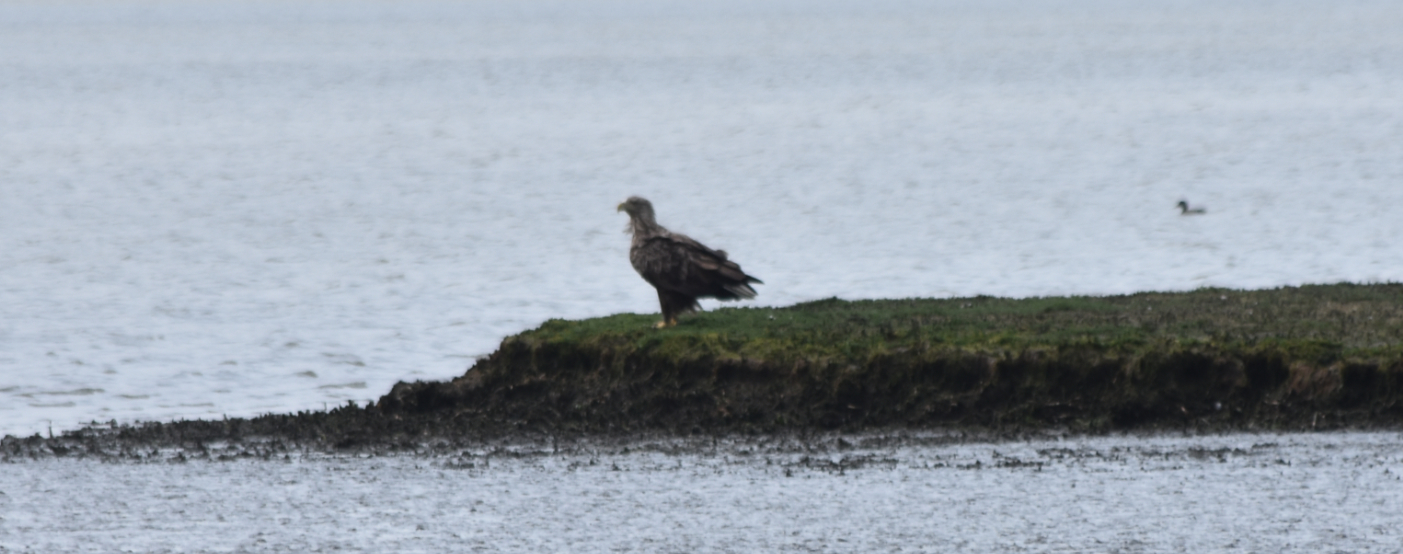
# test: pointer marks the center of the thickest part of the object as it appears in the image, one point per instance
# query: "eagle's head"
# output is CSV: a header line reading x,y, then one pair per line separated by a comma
x,y
640,217
636,205
638,208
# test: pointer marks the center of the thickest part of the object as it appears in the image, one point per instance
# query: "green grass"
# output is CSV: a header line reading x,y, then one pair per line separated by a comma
x,y
1318,323
1301,358
1224,358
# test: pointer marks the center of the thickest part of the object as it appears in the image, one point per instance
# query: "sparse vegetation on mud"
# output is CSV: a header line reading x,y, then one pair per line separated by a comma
x,y
1273,358
1314,357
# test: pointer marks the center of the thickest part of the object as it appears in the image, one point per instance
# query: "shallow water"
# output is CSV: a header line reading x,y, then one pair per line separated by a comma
x,y
230,208
1335,492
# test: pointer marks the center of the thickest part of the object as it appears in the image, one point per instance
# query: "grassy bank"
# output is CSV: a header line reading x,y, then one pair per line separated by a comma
x,y
1315,357
1286,358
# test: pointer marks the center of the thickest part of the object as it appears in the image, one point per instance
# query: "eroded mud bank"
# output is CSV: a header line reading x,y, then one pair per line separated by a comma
x,y
1297,358
1309,358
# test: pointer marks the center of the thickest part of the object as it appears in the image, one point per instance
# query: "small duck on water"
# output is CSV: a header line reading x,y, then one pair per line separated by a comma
x,y
1184,209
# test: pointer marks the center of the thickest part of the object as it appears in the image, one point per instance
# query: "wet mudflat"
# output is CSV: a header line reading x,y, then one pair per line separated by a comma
x,y
923,492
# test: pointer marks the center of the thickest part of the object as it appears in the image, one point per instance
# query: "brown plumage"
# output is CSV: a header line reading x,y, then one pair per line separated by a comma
x,y
682,269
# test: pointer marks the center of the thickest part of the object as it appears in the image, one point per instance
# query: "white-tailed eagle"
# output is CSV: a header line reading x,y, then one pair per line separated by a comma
x,y
682,269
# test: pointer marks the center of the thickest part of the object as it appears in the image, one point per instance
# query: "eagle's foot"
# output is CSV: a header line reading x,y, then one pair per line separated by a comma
x,y
665,323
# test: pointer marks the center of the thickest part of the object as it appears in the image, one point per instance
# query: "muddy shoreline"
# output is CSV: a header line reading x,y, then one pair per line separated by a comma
x,y
415,419
1316,358
362,431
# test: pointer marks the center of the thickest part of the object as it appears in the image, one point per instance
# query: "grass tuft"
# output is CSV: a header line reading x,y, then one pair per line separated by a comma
x,y
1090,362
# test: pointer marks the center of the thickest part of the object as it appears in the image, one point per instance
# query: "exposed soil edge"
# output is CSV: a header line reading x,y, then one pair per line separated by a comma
x,y
545,391
543,385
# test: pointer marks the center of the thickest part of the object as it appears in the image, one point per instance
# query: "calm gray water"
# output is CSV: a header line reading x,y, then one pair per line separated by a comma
x,y
1335,492
219,208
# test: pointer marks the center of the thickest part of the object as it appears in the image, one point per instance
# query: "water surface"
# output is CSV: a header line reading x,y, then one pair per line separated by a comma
x,y
1335,492
230,208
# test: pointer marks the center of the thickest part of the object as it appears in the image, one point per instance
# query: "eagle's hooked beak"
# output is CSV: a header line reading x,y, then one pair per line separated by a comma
x,y
621,207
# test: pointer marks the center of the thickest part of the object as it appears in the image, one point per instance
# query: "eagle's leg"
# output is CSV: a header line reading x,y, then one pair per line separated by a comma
x,y
667,311
669,319
673,304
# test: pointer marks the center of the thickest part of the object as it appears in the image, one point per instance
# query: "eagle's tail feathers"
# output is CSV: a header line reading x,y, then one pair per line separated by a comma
x,y
741,290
